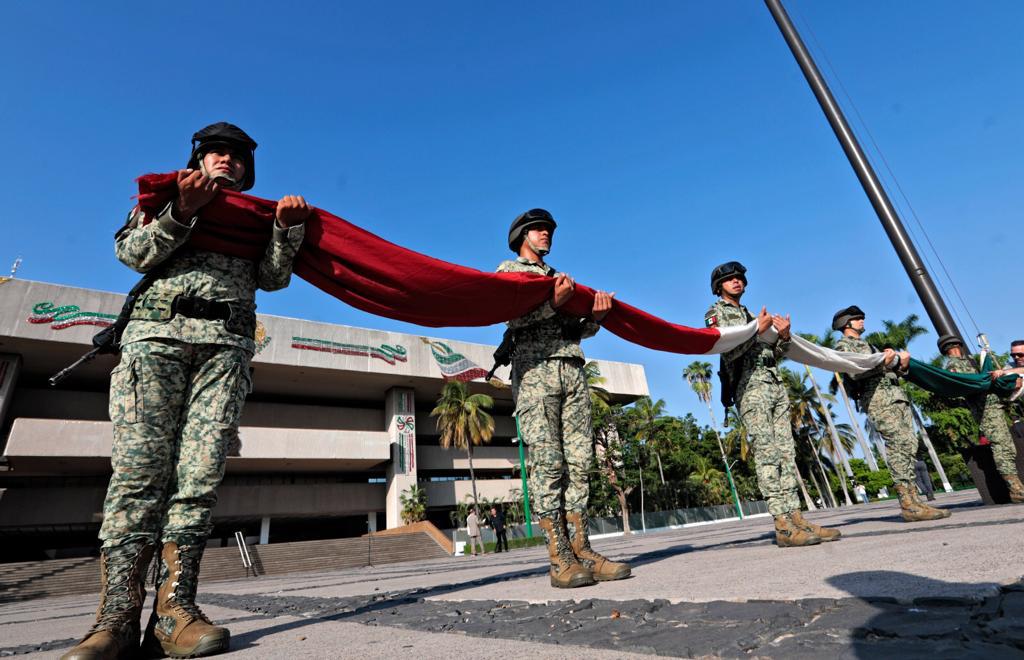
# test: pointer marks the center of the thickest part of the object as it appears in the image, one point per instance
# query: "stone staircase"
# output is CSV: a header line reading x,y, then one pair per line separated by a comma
x,y
61,577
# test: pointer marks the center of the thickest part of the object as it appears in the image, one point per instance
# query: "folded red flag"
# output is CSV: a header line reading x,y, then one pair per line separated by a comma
x,y
385,279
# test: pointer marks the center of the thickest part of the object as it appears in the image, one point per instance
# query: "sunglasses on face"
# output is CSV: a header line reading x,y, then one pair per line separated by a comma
x,y
1017,356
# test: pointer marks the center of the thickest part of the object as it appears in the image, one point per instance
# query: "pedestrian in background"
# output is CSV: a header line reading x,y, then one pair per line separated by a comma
x,y
473,529
497,522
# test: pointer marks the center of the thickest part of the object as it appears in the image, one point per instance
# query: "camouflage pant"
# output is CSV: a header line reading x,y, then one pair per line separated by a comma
x,y
895,423
993,426
553,407
175,409
764,408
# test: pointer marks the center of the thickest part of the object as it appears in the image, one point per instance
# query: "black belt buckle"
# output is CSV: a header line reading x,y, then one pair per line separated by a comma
x,y
200,308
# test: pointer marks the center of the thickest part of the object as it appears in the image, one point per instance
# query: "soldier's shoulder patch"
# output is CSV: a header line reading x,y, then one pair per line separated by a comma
x,y
711,319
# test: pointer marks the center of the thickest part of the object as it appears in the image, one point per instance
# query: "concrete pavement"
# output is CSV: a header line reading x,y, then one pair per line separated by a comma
x,y
943,588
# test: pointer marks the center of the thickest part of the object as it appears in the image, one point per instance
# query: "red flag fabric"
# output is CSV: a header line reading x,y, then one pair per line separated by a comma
x,y
385,279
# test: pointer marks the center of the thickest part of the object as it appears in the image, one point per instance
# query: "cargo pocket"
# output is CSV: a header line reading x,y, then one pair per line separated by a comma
x,y
125,397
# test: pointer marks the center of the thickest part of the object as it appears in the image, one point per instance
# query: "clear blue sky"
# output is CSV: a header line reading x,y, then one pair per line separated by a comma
x,y
666,137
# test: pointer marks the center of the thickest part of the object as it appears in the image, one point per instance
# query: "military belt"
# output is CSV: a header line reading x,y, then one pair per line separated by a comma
x,y
163,307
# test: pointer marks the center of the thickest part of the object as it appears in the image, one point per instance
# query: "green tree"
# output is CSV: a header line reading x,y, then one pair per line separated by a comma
x,y
896,335
463,421
414,504
709,482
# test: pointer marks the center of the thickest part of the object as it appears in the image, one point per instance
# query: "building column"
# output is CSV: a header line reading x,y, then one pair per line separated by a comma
x,y
371,522
264,530
10,365
400,417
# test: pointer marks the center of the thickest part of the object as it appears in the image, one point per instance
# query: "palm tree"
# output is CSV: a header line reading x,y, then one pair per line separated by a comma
x,y
897,336
463,421
414,504
607,443
651,416
708,481
698,374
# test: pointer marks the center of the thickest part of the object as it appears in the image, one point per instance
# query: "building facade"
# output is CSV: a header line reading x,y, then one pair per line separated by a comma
x,y
337,427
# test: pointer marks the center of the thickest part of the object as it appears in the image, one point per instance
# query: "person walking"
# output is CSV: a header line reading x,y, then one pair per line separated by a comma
x,y
497,522
473,530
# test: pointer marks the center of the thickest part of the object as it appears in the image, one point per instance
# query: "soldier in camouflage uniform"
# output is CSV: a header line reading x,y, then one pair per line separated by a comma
x,y
878,393
989,412
175,400
750,373
553,408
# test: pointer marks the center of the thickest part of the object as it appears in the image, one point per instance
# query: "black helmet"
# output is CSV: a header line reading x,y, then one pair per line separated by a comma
x,y
726,271
225,134
524,220
947,341
845,315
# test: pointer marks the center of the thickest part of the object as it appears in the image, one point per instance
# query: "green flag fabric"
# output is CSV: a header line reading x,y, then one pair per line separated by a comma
x,y
946,383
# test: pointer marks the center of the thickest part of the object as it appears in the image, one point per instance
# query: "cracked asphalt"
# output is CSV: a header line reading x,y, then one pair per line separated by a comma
x,y
940,589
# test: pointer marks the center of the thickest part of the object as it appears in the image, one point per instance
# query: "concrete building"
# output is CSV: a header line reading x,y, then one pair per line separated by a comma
x,y
336,428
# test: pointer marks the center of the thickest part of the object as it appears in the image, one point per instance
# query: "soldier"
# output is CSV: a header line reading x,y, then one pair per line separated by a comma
x,y
175,401
750,377
553,408
990,413
878,393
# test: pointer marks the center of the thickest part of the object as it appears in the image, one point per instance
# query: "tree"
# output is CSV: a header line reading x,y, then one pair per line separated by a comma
x,y
709,481
651,416
414,504
463,421
897,335
698,374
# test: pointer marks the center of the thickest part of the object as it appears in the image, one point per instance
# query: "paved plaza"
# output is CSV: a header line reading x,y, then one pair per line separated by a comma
x,y
944,589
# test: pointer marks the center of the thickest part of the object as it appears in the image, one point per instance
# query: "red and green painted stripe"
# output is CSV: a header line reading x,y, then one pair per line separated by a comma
x,y
67,316
389,354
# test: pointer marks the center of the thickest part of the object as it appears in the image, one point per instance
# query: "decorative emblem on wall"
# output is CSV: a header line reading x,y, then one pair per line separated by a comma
x,y
455,365
389,354
67,316
261,338
406,426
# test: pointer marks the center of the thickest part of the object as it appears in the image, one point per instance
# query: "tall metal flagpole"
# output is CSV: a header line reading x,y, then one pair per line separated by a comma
x,y
919,277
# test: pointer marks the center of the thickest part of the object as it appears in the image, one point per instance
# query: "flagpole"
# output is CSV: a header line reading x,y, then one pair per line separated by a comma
x,y
526,489
836,445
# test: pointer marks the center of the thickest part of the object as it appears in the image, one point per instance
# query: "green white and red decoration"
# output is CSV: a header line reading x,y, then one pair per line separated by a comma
x,y
389,354
454,365
66,316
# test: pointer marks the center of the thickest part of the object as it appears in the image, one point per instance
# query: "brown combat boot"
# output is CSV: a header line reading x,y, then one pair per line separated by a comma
x,y
115,634
566,572
1016,488
913,509
824,533
790,535
599,566
178,627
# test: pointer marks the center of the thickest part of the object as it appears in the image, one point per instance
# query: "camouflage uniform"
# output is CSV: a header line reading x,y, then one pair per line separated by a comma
x,y
764,407
176,397
552,402
990,414
888,406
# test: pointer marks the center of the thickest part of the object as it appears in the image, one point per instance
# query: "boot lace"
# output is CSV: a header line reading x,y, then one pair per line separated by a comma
x,y
184,604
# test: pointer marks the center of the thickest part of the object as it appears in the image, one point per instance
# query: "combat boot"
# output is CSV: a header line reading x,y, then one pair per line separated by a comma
x,y
824,533
116,632
1015,487
178,627
790,535
599,566
913,509
566,572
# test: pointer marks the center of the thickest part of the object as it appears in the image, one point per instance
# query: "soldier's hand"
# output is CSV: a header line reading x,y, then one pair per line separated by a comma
x,y
997,373
764,320
904,360
602,305
195,190
782,324
292,210
889,355
564,287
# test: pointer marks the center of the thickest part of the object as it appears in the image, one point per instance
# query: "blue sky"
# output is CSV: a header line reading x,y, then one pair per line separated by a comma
x,y
666,137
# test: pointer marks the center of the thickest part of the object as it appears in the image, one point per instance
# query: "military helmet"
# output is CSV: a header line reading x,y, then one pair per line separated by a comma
x,y
945,342
725,271
845,315
525,220
225,134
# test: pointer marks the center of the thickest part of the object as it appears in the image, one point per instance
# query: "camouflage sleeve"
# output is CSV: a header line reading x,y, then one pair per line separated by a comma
x,y
542,312
275,270
959,366
845,346
590,328
141,246
715,318
780,348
